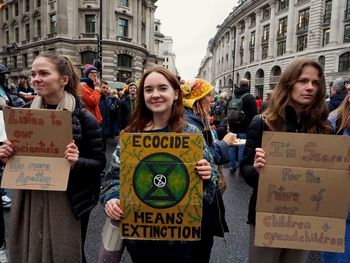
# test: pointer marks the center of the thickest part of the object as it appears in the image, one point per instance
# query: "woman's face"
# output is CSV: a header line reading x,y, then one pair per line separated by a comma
x,y
306,88
47,81
207,102
159,94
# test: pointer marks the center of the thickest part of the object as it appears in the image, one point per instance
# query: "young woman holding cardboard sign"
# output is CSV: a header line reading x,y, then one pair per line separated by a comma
x,y
50,226
297,105
160,109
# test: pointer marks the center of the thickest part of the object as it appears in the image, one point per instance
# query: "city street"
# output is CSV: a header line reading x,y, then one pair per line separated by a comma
x,y
233,250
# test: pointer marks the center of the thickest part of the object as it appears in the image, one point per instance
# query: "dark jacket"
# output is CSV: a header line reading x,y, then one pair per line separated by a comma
x,y
124,113
219,149
335,101
84,179
254,139
248,106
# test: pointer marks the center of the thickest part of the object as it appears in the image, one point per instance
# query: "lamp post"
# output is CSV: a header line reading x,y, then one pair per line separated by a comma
x,y
99,41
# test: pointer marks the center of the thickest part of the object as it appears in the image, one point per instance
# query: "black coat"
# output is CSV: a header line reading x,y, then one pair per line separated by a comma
x,y
254,140
84,179
248,106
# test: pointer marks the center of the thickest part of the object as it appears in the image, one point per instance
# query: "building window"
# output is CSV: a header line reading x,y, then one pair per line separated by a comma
x,y
282,27
326,33
16,35
14,61
16,9
347,33
241,59
344,62
123,75
25,60
252,40
252,19
251,56
6,13
26,5
303,21
281,48
7,37
264,52
302,43
123,2
327,12
322,61
266,12
4,62
90,23
53,24
124,61
123,27
266,34
27,32
88,57
347,11
38,3
283,4
35,54
38,28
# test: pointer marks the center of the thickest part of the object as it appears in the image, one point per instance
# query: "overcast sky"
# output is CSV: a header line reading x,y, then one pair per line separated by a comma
x,y
191,23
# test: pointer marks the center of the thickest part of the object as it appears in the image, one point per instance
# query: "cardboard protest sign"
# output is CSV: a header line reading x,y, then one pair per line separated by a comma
x,y
40,138
303,192
160,193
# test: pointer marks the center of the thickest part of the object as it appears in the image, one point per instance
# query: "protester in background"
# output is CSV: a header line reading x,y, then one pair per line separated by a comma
x,y
298,105
114,107
105,109
266,101
218,109
258,103
127,105
340,121
24,90
91,92
249,111
338,93
159,109
50,226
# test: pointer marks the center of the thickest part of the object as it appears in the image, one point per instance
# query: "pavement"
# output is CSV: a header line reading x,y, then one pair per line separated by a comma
x,y
232,249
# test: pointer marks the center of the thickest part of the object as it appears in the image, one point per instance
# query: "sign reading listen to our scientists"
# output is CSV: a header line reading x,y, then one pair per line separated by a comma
x,y
160,193
40,138
303,192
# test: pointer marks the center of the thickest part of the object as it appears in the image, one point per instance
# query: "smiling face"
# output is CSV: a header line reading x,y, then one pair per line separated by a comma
x,y
207,102
47,81
159,94
306,88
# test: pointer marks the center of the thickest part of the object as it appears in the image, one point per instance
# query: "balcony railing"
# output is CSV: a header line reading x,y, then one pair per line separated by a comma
x,y
259,81
302,28
281,35
327,20
264,41
88,35
125,39
274,79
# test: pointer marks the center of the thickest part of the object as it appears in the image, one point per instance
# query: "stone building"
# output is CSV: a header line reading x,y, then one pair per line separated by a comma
x,y
71,27
168,55
259,38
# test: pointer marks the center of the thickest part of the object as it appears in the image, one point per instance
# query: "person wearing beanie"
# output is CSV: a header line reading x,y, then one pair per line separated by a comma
x,y
91,92
197,99
338,93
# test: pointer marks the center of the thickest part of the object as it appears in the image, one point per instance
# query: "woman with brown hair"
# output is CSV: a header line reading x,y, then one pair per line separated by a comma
x,y
51,226
159,108
297,105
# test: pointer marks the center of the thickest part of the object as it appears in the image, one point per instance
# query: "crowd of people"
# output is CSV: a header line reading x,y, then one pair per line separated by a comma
x,y
159,103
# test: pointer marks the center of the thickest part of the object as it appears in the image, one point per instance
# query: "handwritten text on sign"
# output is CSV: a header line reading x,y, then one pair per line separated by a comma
x,y
40,138
161,195
306,176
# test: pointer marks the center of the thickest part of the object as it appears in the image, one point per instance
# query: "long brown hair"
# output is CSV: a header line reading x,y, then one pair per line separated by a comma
x,y
142,115
343,113
65,68
317,111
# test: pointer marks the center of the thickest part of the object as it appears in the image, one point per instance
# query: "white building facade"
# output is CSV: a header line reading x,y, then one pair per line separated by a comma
x,y
129,41
260,38
168,55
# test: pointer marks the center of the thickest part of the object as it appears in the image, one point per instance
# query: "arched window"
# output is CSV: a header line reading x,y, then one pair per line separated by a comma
x,y
344,62
275,74
247,75
124,61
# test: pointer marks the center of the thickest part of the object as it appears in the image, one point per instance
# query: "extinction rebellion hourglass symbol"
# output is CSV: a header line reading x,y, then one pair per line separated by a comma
x,y
161,180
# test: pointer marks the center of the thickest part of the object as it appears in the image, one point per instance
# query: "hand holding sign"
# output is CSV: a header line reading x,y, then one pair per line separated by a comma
x,y
6,151
259,159
113,210
71,154
203,169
